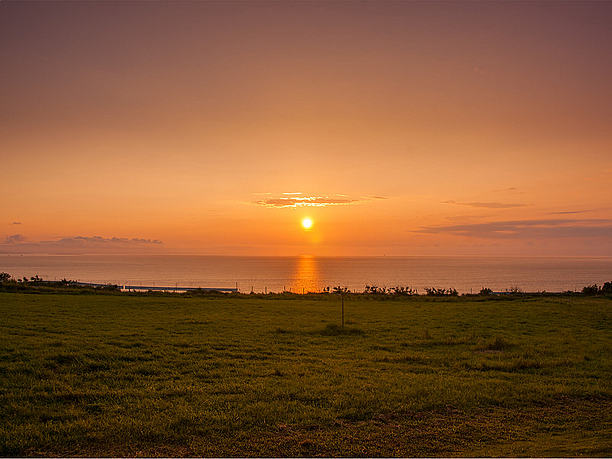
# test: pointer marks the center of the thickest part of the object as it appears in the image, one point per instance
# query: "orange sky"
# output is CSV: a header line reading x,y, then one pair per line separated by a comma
x,y
417,128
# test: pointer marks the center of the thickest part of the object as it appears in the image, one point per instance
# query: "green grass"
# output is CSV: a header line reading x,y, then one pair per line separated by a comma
x,y
167,375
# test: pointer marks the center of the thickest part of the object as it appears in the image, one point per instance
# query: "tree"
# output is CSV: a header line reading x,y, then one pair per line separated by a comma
x,y
4,277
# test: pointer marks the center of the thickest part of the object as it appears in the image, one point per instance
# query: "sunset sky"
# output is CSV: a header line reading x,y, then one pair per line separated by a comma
x,y
399,128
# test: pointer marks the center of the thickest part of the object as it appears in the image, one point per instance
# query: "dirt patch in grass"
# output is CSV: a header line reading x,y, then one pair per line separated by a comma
x,y
450,432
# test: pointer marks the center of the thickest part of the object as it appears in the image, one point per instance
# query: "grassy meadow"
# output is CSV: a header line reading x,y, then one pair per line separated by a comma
x,y
240,376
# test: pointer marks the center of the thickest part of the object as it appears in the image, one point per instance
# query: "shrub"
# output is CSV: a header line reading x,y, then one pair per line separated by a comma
x,y
403,291
441,291
499,344
591,289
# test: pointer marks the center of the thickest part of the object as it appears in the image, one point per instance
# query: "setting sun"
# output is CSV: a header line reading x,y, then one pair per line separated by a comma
x,y
307,223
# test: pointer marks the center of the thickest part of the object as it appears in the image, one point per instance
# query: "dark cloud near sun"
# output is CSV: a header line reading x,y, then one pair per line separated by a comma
x,y
16,223
486,205
528,229
295,199
306,201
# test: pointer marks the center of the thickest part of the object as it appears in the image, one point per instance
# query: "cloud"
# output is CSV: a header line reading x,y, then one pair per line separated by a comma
x,y
84,241
299,200
565,212
14,239
502,190
487,205
16,223
523,229
78,244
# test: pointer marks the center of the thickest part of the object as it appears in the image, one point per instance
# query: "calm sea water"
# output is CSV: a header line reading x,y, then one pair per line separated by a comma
x,y
313,273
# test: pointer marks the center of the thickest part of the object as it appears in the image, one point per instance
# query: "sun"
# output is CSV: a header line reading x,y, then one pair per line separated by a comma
x,y
307,223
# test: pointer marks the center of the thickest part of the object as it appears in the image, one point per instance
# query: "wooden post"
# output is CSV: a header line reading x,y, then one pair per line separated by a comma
x,y
342,296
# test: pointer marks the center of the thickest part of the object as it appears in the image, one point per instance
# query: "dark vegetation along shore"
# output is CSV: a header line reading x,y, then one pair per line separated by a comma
x,y
37,284
97,372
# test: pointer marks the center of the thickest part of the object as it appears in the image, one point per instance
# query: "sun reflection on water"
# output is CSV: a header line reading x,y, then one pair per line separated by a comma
x,y
306,276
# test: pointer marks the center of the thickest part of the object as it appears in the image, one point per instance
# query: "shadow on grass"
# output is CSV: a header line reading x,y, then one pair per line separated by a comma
x,y
510,366
329,330
499,344
336,330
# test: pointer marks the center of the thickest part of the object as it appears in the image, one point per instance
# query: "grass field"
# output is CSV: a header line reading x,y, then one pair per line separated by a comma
x,y
162,375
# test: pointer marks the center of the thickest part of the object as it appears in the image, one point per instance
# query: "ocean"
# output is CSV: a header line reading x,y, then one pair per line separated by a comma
x,y
310,274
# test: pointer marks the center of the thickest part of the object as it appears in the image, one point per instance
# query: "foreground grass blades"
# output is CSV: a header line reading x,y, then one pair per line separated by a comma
x,y
128,375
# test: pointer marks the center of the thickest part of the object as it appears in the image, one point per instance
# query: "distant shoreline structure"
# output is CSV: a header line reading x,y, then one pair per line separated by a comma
x,y
133,288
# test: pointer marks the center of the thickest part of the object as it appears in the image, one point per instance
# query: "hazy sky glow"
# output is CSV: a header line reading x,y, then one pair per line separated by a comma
x,y
400,128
